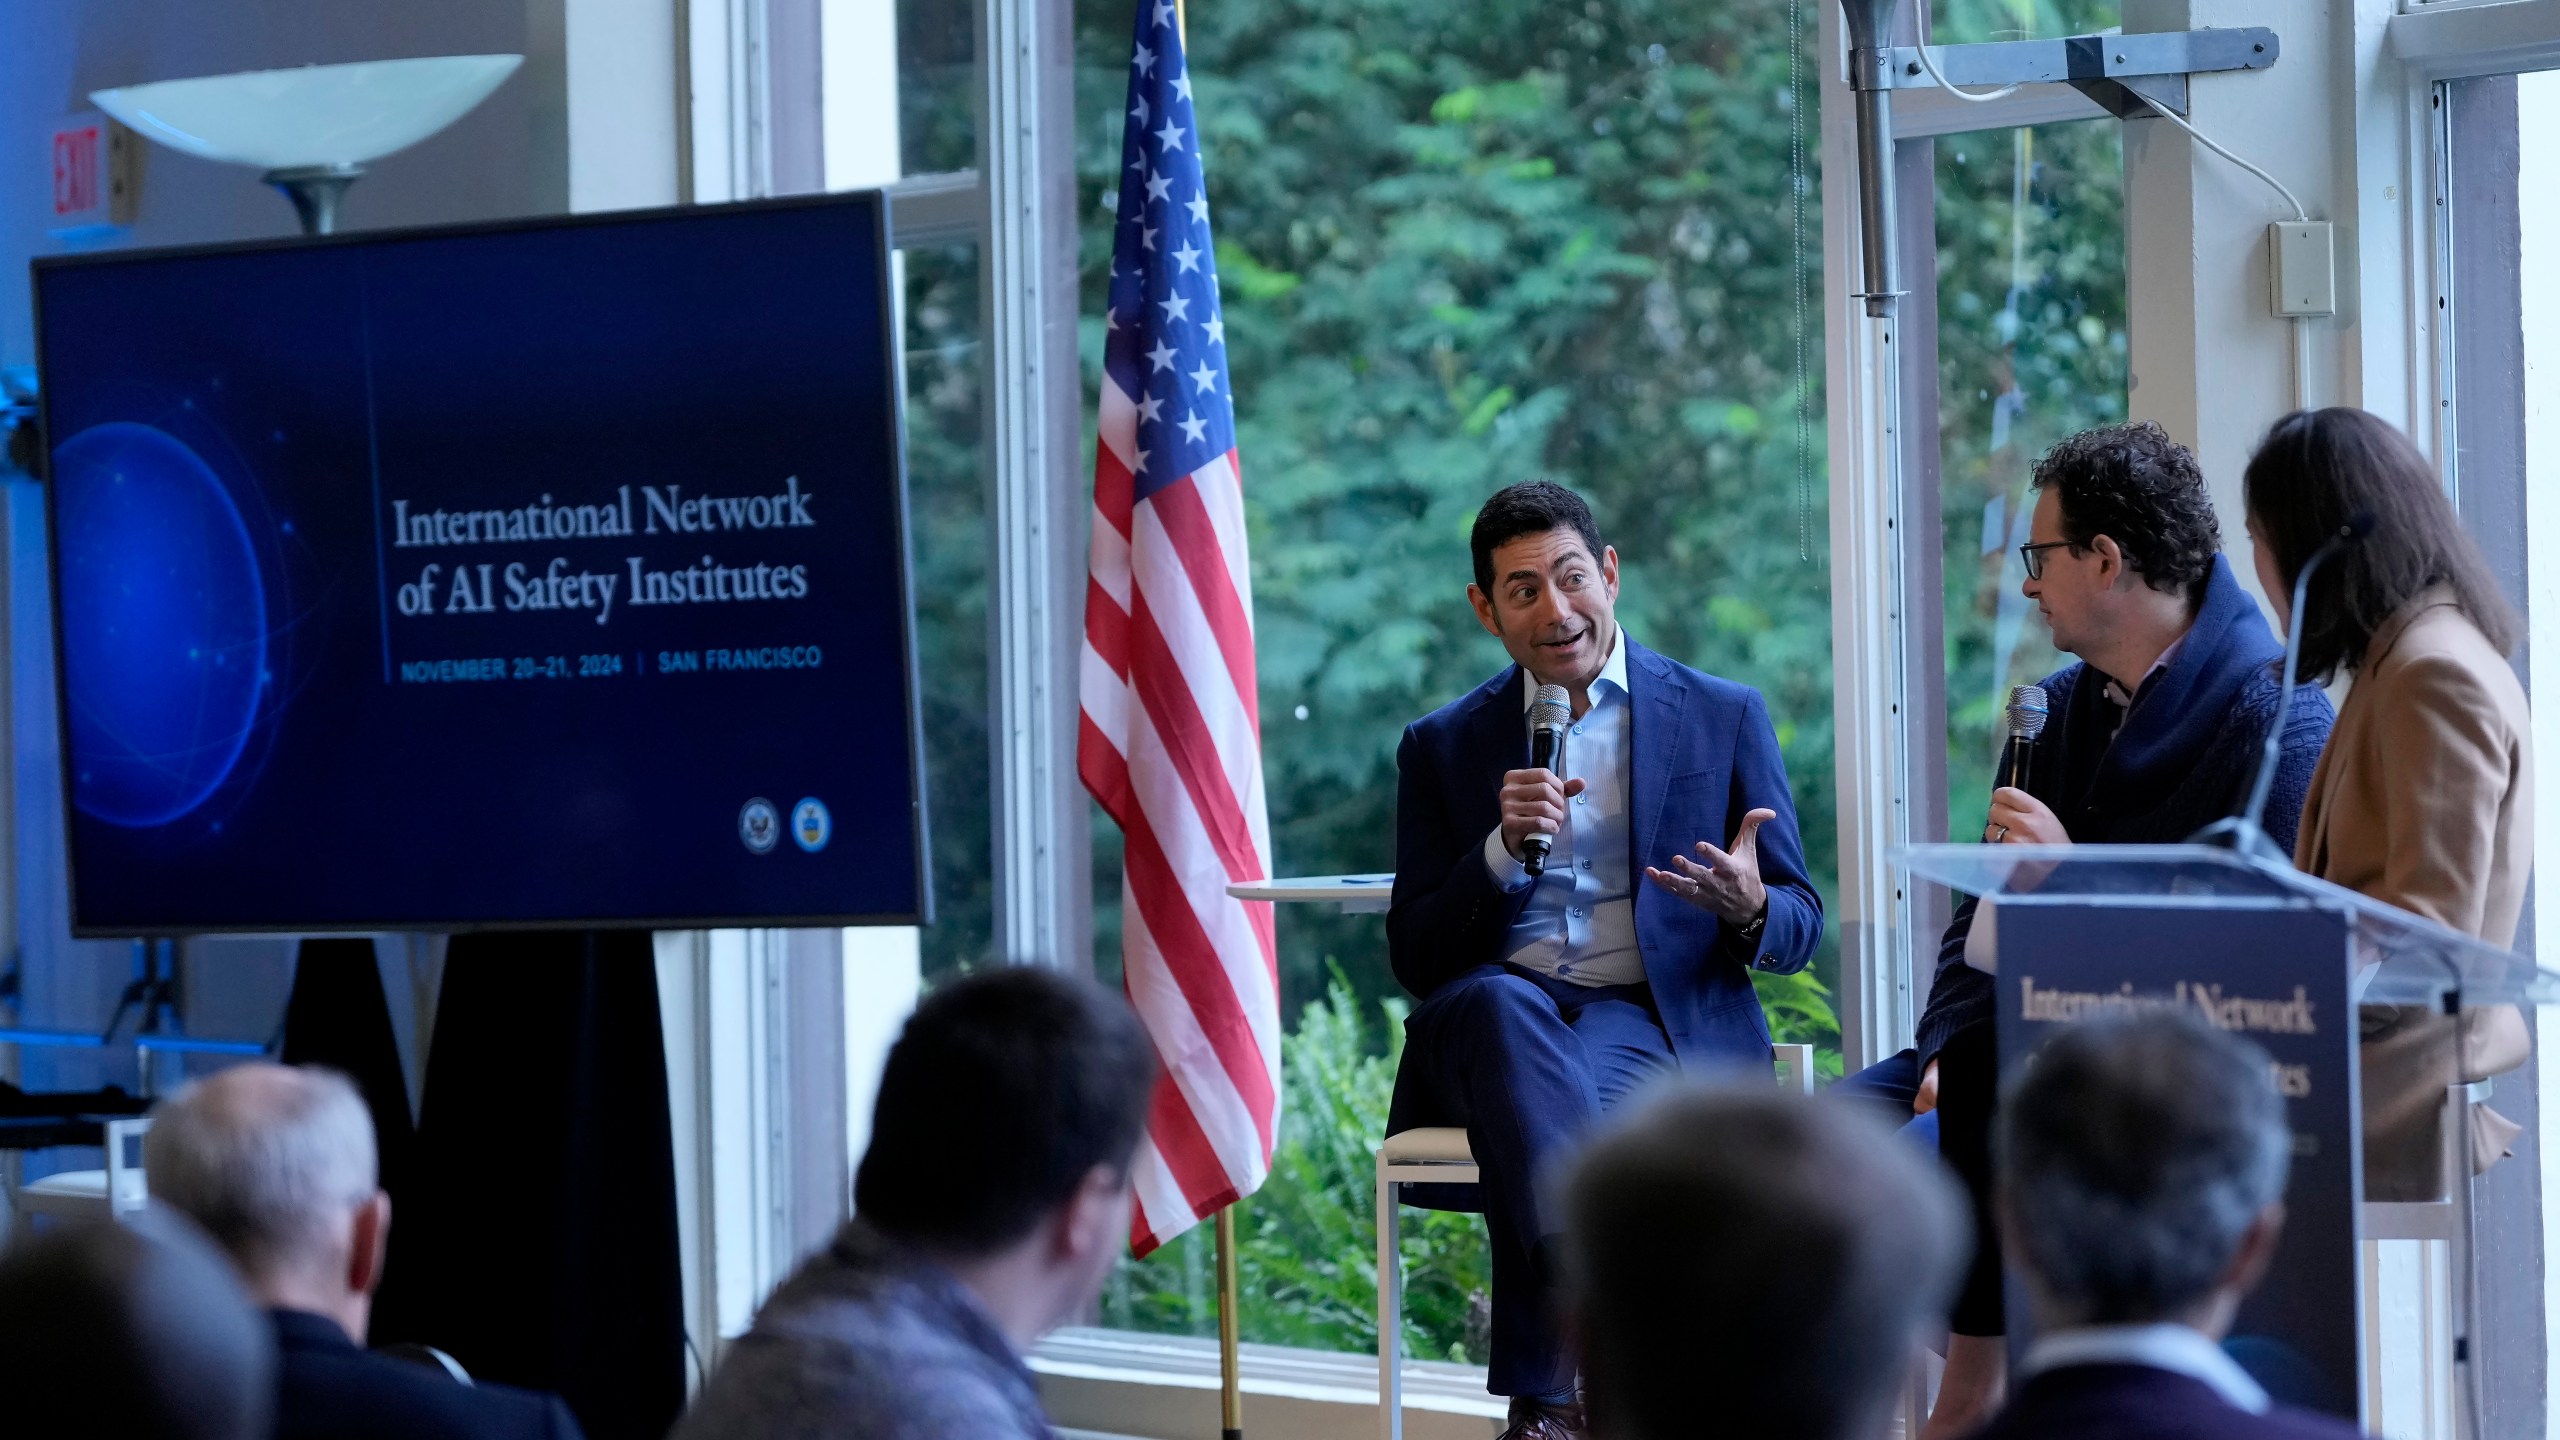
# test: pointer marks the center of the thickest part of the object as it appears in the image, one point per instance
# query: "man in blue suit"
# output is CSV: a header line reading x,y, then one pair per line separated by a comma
x,y
1543,1002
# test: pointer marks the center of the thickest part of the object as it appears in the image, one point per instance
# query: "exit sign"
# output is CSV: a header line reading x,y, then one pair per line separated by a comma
x,y
91,166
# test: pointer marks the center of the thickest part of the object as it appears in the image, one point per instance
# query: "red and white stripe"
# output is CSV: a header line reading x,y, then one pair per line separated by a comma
x,y
1170,744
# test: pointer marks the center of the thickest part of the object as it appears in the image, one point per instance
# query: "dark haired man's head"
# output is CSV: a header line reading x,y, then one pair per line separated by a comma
x,y
1545,585
133,1330
1771,1257
2122,528
2316,471
1046,1076
2142,1171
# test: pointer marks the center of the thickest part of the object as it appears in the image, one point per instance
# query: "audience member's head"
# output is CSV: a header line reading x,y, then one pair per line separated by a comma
x,y
2142,1170
277,1164
1754,1264
2316,471
132,1330
1039,1082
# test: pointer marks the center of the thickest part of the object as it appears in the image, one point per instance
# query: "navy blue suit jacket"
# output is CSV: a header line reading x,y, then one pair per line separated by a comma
x,y
328,1389
2136,1402
1703,755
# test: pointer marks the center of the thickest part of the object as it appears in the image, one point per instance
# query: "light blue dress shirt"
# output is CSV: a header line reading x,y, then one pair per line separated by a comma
x,y
1579,924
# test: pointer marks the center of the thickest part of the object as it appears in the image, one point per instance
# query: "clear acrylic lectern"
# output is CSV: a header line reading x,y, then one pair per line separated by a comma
x,y
2291,962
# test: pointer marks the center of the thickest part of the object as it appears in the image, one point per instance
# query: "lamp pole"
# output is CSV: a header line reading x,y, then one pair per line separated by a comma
x,y
315,191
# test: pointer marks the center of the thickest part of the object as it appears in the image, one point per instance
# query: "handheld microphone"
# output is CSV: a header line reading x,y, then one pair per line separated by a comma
x,y
2243,832
1550,715
2028,707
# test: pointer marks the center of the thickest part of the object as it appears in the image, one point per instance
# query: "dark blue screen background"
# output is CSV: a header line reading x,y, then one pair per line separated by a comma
x,y
256,675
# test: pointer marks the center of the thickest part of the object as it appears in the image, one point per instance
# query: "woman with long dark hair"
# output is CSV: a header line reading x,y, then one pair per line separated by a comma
x,y
2424,795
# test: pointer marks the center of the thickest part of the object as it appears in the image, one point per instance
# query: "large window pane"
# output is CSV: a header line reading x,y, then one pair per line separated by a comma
x,y
2502,147
947,509
937,86
1960,22
2031,348
1464,244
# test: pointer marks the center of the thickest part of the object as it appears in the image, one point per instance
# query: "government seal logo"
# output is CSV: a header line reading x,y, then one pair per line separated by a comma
x,y
759,827
811,826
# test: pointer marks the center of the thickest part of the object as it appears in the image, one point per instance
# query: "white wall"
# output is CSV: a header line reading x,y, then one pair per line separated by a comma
x,y
54,52
2210,360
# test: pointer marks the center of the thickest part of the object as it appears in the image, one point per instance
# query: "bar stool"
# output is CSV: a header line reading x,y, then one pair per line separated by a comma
x,y
1440,1155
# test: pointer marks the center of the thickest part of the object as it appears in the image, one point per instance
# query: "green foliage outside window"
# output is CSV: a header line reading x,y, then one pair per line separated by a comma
x,y
1461,243
2031,348
1466,244
1306,1243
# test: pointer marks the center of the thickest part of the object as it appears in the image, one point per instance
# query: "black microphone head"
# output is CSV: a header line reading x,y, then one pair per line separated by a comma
x,y
2028,708
1551,708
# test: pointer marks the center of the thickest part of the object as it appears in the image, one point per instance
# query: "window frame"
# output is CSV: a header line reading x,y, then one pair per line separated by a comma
x,y
1888,601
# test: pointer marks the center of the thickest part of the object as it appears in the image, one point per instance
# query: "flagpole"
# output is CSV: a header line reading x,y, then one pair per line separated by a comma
x,y
1230,1366
1230,1374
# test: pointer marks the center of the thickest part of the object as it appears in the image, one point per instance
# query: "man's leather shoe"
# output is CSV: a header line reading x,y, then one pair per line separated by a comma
x,y
1546,1420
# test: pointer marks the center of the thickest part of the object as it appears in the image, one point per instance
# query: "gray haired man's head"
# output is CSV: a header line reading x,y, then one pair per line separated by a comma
x,y
1772,1258
2142,1162
273,1161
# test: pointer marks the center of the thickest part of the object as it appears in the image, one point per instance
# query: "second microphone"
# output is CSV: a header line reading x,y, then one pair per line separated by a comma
x,y
1550,716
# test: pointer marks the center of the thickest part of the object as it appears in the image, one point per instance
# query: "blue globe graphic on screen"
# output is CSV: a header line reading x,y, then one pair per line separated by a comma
x,y
164,624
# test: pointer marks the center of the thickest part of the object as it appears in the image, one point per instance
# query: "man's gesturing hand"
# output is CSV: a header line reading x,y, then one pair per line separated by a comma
x,y
1727,883
1533,804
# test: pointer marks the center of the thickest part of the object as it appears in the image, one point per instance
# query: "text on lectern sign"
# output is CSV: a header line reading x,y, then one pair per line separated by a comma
x,y
2278,976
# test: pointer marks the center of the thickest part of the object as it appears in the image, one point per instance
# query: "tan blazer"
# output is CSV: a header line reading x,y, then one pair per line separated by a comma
x,y
2424,794
2424,798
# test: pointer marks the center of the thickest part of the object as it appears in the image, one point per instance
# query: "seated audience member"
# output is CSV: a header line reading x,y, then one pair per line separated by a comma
x,y
1755,1265
2141,1190
988,1211
137,1331
277,1164
2156,731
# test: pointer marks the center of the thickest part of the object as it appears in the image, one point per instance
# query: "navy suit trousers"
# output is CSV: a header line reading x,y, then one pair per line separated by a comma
x,y
1526,1062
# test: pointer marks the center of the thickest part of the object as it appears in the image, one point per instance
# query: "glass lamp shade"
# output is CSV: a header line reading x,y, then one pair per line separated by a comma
x,y
313,117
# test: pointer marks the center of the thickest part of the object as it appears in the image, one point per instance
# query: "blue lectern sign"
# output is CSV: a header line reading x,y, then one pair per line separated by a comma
x,y
2277,974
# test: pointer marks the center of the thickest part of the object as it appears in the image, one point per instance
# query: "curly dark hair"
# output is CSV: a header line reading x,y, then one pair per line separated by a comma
x,y
2143,490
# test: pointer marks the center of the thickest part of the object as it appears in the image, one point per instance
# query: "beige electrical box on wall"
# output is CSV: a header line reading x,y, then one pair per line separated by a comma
x,y
2302,265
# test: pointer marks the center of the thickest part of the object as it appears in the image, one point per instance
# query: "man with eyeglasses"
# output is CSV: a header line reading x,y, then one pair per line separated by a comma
x,y
2154,733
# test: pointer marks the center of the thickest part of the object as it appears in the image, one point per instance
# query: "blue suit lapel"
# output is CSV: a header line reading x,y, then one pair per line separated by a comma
x,y
1654,704
1498,730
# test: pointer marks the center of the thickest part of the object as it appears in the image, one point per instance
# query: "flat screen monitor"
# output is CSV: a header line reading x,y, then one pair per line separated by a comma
x,y
524,575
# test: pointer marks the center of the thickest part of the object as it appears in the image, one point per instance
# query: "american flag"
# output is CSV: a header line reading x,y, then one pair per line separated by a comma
x,y
1171,740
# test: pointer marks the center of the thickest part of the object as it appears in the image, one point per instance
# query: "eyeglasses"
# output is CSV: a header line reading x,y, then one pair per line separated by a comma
x,y
2033,555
